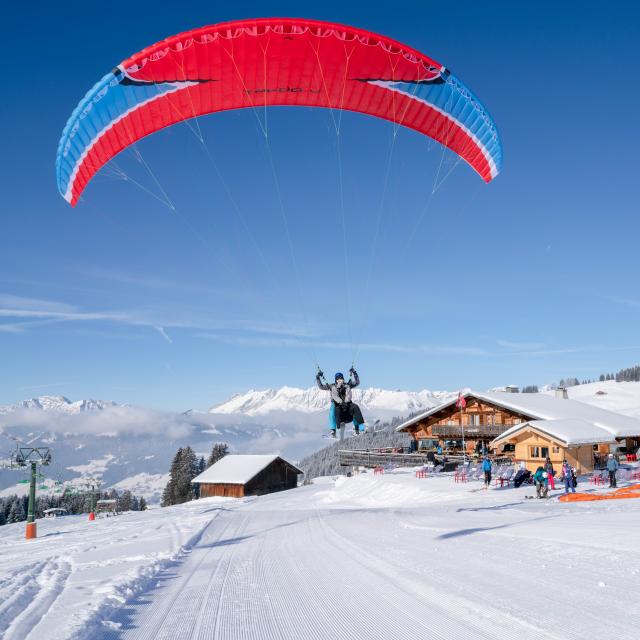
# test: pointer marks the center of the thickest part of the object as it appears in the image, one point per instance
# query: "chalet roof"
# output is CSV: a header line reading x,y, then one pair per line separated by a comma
x,y
238,469
541,406
568,431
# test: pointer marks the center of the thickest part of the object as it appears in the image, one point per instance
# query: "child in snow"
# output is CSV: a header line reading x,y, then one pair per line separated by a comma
x,y
548,467
541,480
567,477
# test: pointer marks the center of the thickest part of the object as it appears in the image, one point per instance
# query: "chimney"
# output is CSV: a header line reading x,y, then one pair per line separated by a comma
x,y
562,394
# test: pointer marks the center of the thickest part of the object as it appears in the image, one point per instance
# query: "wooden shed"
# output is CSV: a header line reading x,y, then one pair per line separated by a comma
x,y
236,476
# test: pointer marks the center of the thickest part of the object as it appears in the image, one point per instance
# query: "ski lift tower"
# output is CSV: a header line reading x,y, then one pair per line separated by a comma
x,y
92,485
25,457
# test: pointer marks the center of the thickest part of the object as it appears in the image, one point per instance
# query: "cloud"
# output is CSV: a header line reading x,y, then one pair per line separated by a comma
x,y
520,345
111,420
163,333
296,343
27,313
34,304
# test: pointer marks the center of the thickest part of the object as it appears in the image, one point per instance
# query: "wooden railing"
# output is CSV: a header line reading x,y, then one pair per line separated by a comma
x,y
470,430
379,457
382,457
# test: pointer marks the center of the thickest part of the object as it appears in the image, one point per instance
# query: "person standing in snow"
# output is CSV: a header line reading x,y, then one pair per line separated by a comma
x,y
548,467
541,480
342,410
612,467
567,477
486,467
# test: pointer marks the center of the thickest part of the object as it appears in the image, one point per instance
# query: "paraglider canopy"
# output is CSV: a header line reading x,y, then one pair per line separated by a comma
x,y
269,62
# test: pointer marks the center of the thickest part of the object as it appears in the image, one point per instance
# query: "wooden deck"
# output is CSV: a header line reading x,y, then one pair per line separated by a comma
x,y
382,457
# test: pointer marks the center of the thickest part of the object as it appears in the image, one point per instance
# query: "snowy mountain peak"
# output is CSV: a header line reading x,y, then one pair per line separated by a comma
x,y
58,404
312,400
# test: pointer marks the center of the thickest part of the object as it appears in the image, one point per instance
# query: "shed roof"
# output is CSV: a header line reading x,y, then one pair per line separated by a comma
x,y
570,432
238,469
541,406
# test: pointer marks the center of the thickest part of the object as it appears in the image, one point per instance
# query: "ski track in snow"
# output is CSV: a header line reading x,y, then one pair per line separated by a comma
x,y
349,560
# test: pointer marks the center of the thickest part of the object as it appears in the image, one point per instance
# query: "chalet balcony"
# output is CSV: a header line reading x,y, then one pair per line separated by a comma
x,y
454,431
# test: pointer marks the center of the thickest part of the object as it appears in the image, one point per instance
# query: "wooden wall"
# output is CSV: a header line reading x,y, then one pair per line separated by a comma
x,y
474,416
224,490
579,457
278,476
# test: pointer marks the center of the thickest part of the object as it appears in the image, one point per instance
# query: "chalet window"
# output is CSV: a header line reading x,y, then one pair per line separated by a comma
x,y
539,452
555,449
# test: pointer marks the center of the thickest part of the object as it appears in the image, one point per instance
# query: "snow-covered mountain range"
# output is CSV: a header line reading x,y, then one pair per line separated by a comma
x,y
58,404
378,403
131,447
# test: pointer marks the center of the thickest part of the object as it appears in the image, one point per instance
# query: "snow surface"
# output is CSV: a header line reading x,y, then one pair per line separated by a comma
x,y
571,431
368,557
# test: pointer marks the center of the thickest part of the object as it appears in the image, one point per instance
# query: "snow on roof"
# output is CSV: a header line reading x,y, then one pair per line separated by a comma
x,y
540,406
570,431
237,469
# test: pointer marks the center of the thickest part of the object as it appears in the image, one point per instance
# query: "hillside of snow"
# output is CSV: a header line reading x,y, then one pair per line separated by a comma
x,y
389,556
623,397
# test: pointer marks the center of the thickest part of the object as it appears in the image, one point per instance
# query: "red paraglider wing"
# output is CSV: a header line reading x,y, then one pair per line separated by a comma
x,y
268,62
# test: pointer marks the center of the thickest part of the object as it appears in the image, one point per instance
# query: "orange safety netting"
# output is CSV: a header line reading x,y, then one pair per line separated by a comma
x,y
632,491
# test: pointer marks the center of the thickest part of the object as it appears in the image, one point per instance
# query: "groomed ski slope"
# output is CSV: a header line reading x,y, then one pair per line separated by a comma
x,y
366,557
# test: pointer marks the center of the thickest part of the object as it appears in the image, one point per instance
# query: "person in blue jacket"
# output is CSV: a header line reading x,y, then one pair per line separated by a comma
x,y
486,467
567,477
541,480
612,467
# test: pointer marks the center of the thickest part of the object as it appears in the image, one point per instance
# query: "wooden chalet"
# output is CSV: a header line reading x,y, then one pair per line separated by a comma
x,y
236,476
525,426
577,441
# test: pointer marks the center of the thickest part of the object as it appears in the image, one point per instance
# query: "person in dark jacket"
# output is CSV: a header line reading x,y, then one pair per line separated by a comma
x,y
612,467
343,410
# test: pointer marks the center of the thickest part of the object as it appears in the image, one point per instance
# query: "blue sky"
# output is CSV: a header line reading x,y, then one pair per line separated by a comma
x,y
526,280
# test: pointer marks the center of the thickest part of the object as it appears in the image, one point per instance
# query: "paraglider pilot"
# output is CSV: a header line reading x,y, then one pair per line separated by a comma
x,y
343,410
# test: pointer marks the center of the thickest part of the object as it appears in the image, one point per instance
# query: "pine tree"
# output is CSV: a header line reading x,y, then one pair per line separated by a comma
x,y
169,495
219,451
125,501
188,471
16,512
142,504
